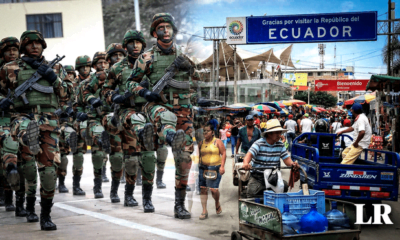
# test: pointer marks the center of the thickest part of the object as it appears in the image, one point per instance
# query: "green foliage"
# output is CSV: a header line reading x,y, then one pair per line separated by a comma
x,y
317,98
119,16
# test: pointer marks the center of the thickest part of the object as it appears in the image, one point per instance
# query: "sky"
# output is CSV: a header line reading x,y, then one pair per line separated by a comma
x,y
364,56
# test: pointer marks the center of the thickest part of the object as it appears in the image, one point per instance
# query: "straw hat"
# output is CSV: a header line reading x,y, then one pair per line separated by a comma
x,y
273,125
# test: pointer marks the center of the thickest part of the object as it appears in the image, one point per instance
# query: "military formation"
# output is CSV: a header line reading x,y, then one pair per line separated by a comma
x,y
126,103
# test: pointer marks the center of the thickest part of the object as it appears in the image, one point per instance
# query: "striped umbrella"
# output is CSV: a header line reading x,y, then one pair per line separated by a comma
x,y
322,109
264,109
237,107
315,109
280,104
284,112
367,98
294,101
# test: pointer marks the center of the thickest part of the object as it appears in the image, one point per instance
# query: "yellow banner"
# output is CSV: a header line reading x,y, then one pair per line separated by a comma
x,y
301,79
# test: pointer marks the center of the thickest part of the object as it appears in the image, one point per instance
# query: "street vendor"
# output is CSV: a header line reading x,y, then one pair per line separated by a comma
x,y
266,152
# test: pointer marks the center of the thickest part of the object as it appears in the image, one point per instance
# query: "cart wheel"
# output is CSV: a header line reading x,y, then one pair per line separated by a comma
x,y
236,236
235,181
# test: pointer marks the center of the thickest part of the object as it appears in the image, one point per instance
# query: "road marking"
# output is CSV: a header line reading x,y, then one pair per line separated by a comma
x,y
125,223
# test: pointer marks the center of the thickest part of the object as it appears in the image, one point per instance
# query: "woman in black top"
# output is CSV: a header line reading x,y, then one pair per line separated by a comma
x,y
234,135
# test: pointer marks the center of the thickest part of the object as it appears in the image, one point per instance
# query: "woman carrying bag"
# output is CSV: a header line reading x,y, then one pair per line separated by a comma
x,y
211,169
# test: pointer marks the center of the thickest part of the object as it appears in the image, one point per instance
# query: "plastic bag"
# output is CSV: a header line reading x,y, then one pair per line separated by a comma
x,y
280,186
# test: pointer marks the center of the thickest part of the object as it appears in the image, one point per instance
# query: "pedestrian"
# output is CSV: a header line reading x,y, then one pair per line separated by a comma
x,y
234,135
222,133
211,169
306,125
247,135
346,125
257,121
321,126
266,151
215,124
362,135
291,127
263,124
335,125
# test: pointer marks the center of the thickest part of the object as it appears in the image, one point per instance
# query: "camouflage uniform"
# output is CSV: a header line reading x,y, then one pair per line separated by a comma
x,y
6,195
36,128
174,118
132,125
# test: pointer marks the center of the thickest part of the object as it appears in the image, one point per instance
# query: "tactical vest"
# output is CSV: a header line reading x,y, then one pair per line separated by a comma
x,y
162,62
46,102
126,73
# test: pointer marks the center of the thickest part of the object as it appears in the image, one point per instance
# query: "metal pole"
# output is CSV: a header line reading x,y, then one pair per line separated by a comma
x,y
217,68
213,73
137,14
235,76
389,37
227,73
308,86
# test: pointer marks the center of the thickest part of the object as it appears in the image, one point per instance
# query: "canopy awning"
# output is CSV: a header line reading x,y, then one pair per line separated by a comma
x,y
378,82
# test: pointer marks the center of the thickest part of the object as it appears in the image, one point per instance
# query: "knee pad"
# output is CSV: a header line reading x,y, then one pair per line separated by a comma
x,y
148,161
67,131
30,171
138,119
116,161
9,145
48,178
78,160
162,154
168,118
97,129
64,162
131,165
97,159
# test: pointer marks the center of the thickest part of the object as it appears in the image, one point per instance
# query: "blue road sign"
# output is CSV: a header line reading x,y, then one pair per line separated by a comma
x,y
329,27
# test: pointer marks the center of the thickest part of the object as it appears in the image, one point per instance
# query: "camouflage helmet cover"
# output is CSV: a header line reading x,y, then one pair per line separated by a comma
x,y
70,69
162,18
7,42
82,61
97,56
134,35
115,47
31,35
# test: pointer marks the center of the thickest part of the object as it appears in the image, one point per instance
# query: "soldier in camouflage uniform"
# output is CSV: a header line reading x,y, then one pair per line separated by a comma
x,y
173,118
68,137
9,51
36,128
100,64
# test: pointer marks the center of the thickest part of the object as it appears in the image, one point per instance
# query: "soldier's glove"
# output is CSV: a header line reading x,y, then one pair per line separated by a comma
x,y
47,73
81,116
149,95
95,102
117,98
69,111
58,112
182,63
5,103
144,84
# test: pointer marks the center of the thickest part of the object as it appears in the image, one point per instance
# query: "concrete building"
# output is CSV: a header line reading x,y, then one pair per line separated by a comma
x,y
70,27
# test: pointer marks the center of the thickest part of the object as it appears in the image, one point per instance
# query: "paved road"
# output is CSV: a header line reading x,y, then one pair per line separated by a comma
x,y
86,217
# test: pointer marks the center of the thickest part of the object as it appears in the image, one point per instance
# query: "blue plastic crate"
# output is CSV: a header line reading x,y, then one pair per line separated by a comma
x,y
299,204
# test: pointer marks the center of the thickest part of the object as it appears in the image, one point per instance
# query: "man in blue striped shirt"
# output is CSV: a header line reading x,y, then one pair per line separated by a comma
x,y
266,152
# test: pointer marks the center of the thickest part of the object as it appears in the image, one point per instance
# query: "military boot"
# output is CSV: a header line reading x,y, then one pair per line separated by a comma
x,y
97,188
32,137
30,210
1,196
45,220
8,200
159,182
147,191
175,139
19,206
139,181
105,142
130,201
180,210
114,191
123,178
13,176
104,174
76,188
146,135
73,142
61,185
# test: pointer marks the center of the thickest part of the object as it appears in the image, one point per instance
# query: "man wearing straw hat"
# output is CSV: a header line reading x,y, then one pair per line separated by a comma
x,y
266,152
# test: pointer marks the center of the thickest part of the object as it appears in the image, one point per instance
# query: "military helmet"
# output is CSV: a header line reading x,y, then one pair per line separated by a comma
x,y
82,61
134,35
115,47
97,56
31,35
161,18
7,42
70,69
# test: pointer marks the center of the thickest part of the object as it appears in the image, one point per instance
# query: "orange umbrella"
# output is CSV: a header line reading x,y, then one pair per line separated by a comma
x,y
294,101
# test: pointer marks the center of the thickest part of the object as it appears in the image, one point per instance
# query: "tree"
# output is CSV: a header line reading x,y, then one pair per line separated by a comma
x,y
317,98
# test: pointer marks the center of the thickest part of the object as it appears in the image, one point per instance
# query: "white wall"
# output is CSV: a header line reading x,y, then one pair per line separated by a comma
x,y
82,22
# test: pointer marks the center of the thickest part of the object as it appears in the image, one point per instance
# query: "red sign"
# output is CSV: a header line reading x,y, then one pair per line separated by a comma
x,y
341,85
299,88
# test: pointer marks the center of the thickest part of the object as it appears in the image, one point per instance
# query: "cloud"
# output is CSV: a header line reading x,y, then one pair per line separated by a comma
x,y
213,1
347,6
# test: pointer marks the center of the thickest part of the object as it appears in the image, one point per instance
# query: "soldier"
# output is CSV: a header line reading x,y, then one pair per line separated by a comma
x,y
100,64
9,51
36,128
68,137
136,135
173,118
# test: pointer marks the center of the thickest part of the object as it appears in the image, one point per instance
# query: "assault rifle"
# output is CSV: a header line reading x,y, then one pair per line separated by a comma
x,y
20,91
116,108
